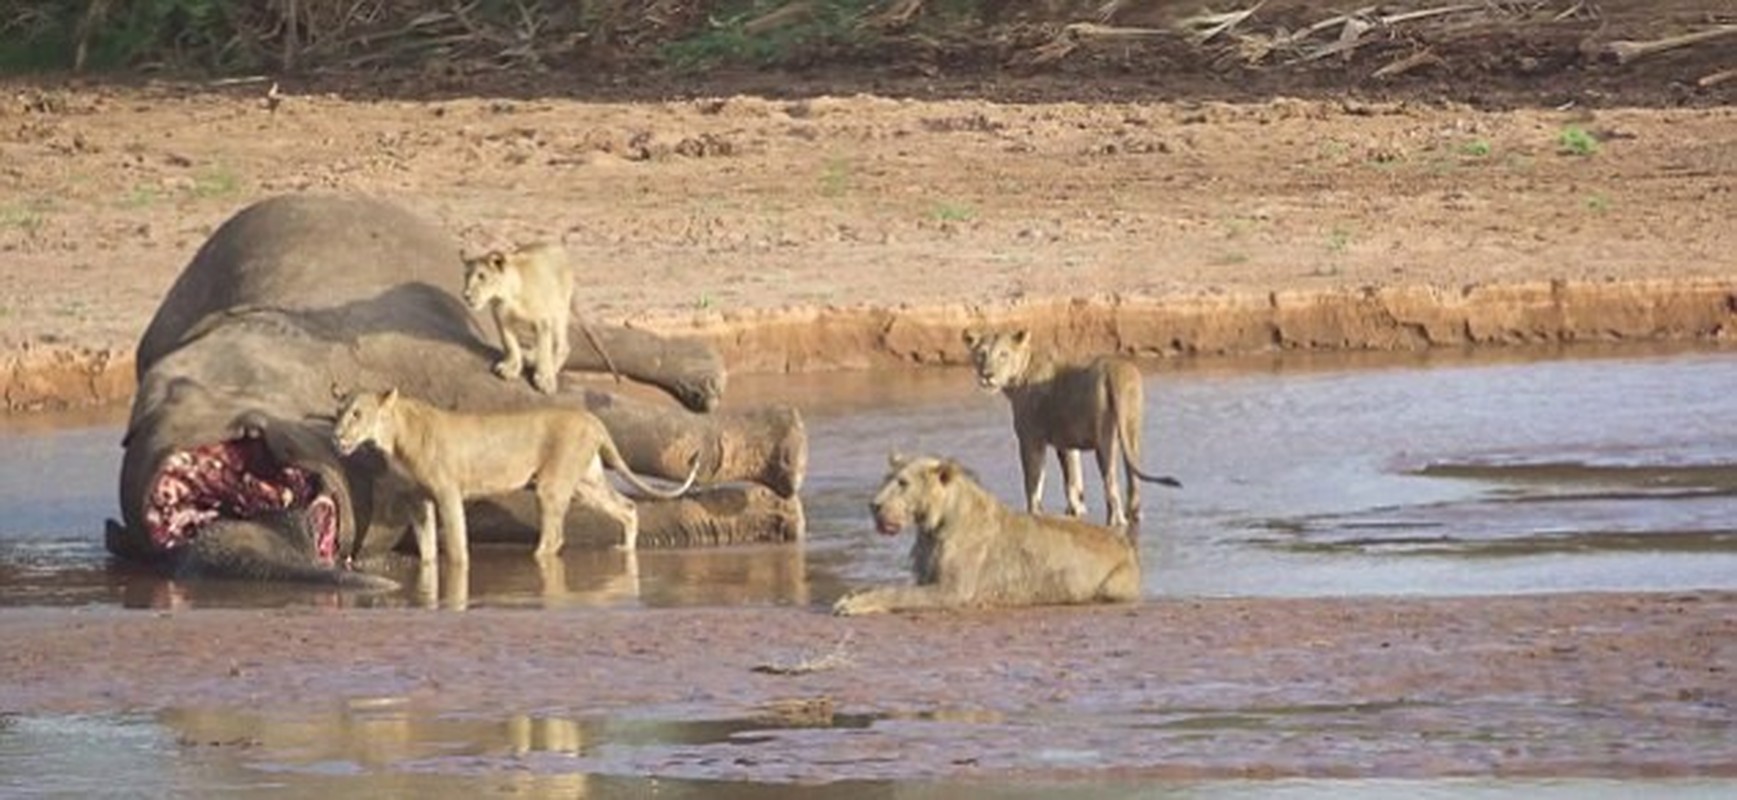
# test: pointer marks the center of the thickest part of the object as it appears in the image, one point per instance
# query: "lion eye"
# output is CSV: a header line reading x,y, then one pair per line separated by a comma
x,y
904,484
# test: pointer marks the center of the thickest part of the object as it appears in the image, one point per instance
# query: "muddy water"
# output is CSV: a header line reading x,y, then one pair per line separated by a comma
x,y
1438,475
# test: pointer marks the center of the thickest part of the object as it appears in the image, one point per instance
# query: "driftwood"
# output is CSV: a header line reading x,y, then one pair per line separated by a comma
x,y
1716,78
1625,52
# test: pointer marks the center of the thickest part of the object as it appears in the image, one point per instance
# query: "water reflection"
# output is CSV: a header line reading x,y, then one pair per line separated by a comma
x,y
1304,475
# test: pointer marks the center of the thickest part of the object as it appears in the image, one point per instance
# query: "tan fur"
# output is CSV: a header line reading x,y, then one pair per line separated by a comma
x,y
973,551
530,287
1071,407
453,456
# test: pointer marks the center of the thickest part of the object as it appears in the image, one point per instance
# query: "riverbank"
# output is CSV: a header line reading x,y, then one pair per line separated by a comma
x,y
860,231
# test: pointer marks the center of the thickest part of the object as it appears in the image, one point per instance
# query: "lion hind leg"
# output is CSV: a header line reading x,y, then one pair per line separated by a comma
x,y
600,495
552,505
1116,513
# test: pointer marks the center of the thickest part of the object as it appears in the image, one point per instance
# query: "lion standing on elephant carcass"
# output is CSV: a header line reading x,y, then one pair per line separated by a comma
x,y
972,551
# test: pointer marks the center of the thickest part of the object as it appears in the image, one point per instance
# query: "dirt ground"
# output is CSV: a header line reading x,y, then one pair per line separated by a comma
x,y
809,215
798,227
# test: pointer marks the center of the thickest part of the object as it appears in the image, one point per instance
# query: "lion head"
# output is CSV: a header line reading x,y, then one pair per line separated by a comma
x,y
999,358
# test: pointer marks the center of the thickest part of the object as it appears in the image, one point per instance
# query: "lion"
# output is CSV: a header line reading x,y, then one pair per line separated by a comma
x,y
531,287
972,551
452,456
1070,407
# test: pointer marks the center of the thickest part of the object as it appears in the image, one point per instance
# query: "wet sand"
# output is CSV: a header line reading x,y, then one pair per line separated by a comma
x,y
1609,685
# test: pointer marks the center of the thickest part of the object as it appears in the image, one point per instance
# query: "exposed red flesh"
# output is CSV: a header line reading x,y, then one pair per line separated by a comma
x,y
234,479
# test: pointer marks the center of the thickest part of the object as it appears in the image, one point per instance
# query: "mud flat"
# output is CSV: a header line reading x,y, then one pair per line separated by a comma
x,y
1607,685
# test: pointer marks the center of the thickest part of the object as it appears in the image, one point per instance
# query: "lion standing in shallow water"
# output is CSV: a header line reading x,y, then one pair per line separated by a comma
x,y
1070,407
973,551
453,456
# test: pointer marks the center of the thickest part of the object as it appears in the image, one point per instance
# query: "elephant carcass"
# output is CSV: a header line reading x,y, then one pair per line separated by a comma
x,y
298,296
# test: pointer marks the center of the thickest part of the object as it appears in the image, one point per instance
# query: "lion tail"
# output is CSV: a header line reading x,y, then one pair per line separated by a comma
x,y
612,458
1128,455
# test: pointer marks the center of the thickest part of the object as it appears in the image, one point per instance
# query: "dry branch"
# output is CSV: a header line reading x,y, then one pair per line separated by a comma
x,y
1626,51
1074,34
1206,26
1414,61
781,17
897,14
1716,78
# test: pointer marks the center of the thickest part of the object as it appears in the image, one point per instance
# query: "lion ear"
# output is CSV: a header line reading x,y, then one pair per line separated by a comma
x,y
497,259
896,459
1021,336
390,397
972,338
946,471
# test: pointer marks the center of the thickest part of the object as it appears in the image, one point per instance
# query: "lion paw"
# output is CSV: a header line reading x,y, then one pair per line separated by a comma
x,y
508,368
545,382
856,605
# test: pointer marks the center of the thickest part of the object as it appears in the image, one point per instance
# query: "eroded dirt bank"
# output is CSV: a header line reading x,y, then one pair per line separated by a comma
x,y
1572,684
1389,318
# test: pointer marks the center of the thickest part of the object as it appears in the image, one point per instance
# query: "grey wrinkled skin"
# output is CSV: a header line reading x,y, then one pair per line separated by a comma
x,y
300,296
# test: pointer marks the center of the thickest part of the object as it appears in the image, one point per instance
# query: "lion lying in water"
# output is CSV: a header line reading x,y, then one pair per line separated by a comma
x,y
973,551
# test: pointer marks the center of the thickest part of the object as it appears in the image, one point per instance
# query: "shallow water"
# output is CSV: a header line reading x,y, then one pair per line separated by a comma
x,y
387,751
1304,475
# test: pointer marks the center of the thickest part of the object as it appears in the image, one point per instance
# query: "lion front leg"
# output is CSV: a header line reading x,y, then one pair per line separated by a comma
x,y
884,599
454,536
512,363
1031,466
424,526
1073,484
546,370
